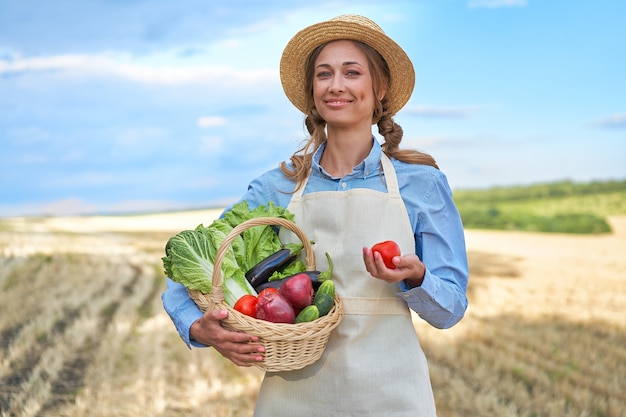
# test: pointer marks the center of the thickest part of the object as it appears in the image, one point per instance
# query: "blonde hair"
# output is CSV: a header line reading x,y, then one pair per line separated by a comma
x,y
316,126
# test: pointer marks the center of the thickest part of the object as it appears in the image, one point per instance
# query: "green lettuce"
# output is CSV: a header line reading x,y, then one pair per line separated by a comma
x,y
190,255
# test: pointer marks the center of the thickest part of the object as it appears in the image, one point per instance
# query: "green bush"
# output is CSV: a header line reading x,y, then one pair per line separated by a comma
x,y
562,207
492,218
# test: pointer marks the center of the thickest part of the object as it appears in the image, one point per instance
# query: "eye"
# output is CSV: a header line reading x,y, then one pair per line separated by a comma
x,y
323,74
352,73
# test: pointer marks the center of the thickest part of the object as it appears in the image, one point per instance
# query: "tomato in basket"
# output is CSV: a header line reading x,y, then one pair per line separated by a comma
x,y
247,305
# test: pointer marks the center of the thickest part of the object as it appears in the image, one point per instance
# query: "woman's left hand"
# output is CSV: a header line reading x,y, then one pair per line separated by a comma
x,y
408,267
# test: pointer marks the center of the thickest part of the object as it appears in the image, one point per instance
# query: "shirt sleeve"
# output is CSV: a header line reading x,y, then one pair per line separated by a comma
x,y
272,186
441,300
182,310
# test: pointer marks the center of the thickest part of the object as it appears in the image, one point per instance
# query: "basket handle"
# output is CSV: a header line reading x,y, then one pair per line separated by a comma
x,y
216,291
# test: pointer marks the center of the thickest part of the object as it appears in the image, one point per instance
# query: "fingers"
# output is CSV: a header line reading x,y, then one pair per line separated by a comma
x,y
216,314
242,354
413,265
239,347
407,266
373,261
375,265
367,259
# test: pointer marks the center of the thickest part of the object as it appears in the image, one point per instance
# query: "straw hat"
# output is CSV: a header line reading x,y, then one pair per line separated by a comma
x,y
354,27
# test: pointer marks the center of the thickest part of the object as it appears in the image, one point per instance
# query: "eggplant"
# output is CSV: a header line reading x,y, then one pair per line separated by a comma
x,y
261,272
316,277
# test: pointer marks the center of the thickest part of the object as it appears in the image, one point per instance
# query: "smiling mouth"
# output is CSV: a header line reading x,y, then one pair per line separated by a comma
x,y
337,102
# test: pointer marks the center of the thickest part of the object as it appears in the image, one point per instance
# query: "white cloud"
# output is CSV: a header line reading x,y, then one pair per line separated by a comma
x,y
65,62
127,67
211,121
492,4
615,121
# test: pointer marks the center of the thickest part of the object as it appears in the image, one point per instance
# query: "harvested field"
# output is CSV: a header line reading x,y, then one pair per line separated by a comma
x,y
83,333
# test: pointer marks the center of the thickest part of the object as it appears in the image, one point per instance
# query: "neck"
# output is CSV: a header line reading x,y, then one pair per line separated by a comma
x,y
345,150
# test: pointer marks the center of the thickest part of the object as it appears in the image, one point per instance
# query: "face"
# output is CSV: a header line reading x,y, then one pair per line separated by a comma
x,y
342,85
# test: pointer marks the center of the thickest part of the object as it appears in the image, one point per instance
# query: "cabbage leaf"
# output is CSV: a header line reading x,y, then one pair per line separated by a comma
x,y
190,254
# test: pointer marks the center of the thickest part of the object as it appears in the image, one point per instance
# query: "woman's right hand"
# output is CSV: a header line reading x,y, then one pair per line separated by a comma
x,y
232,345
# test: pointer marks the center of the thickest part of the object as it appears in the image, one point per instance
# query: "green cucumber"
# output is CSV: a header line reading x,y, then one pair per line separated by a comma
x,y
324,303
325,297
327,287
308,313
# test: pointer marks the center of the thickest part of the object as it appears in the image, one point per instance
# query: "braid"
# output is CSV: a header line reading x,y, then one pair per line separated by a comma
x,y
301,160
392,132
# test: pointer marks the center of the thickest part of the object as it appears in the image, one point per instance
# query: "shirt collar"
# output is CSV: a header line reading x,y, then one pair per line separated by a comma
x,y
368,166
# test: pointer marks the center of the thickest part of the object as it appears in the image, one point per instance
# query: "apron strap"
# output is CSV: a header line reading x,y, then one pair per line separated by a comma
x,y
391,179
297,195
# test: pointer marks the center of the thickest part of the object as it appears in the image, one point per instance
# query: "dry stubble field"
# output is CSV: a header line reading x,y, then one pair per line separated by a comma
x,y
82,331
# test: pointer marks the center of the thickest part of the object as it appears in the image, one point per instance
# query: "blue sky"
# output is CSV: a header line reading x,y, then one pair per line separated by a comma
x,y
118,106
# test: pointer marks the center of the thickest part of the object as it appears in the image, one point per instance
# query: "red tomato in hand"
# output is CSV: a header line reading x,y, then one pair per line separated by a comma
x,y
387,249
247,305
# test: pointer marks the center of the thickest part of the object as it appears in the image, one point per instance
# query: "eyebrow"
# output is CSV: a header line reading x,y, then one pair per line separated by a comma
x,y
345,64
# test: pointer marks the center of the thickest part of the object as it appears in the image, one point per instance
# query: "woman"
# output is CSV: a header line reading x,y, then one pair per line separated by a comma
x,y
347,193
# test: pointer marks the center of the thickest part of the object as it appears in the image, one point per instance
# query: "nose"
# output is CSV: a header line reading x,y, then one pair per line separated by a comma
x,y
337,85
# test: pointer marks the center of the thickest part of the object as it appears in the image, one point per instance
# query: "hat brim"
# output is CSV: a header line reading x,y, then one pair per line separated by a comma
x,y
293,60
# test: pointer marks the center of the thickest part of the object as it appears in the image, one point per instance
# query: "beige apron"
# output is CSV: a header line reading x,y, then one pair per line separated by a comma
x,y
373,364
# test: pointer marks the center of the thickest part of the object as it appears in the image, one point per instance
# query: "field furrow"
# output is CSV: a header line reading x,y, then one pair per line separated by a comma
x,y
45,315
72,377
497,385
38,359
533,373
572,352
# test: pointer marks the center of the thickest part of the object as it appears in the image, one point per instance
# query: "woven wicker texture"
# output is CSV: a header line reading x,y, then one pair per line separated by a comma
x,y
354,27
287,346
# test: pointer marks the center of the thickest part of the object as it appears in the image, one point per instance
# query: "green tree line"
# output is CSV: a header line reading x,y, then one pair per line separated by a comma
x,y
558,207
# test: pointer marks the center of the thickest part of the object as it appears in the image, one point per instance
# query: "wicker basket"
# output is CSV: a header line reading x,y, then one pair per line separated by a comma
x,y
287,346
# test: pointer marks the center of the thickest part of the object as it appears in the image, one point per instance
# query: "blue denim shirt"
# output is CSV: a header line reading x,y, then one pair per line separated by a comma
x,y
439,239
